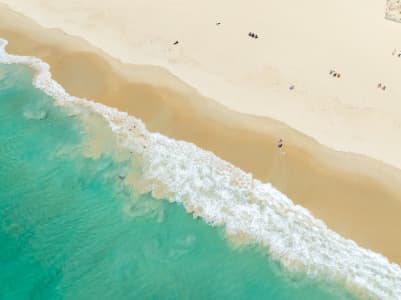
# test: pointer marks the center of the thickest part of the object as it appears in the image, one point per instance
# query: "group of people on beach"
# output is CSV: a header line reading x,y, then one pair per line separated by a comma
x,y
335,74
253,35
379,85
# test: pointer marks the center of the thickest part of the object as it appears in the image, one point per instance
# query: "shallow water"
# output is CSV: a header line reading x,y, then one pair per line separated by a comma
x,y
71,229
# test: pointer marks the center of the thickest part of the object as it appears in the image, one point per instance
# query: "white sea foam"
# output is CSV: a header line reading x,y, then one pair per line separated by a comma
x,y
224,195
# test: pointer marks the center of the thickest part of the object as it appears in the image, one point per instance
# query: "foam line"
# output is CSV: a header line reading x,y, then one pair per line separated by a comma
x,y
224,195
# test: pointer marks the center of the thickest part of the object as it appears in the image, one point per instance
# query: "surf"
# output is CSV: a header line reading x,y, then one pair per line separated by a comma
x,y
223,195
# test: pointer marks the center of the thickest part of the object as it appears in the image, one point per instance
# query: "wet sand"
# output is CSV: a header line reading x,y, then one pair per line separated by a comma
x,y
358,197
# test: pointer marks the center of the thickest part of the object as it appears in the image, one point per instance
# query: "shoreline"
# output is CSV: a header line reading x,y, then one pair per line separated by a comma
x,y
309,173
245,207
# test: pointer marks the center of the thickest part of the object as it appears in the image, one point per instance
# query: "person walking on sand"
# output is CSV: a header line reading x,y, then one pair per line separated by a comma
x,y
280,143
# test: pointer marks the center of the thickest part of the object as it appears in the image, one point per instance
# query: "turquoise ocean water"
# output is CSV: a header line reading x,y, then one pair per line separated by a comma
x,y
70,228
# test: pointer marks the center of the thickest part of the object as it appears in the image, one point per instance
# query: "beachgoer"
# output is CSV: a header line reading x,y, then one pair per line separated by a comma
x,y
334,74
256,36
176,43
218,23
280,143
338,75
331,72
383,87
292,87
379,85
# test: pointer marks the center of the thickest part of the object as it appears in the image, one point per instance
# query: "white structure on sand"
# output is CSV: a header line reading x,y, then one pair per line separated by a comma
x,y
393,10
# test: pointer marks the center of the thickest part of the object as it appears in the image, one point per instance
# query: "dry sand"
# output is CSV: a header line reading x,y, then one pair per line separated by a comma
x,y
299,42
358,197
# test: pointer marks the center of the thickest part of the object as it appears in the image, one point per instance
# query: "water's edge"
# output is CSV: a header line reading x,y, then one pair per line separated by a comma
x,y
224,195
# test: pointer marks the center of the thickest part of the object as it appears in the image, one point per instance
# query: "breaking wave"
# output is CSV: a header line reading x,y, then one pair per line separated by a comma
x,y
224,195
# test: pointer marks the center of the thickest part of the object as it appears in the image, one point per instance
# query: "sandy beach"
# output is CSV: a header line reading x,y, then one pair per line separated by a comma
x,y
356,195
298,44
